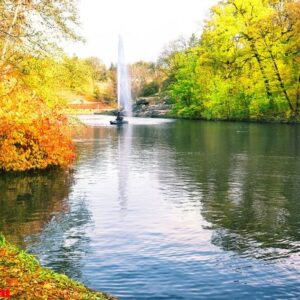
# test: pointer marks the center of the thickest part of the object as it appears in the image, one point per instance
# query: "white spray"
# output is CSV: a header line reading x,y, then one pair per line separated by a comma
x,y
124,86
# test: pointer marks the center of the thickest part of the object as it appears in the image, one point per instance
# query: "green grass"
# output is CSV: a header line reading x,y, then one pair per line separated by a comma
x,y
22,274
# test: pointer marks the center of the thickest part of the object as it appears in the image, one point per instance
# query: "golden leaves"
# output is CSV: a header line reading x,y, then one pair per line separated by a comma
x,y
34,144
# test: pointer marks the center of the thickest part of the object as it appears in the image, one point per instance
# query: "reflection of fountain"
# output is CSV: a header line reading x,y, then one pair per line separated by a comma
x,y
124,147
124,89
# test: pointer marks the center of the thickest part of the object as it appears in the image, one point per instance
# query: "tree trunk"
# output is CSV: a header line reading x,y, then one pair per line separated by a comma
x,y
281,83
9,32
262,70
257,56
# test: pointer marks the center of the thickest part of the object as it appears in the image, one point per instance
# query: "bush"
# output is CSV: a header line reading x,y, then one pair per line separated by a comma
x,y
192,111
38,144
33,132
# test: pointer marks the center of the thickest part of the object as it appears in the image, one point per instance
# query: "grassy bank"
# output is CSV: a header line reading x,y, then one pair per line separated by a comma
x,y
23,276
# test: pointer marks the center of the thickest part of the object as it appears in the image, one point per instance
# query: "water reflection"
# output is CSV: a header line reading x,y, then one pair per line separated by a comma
x,y
28,202
249,177
37,214
63,243
191,210
124,151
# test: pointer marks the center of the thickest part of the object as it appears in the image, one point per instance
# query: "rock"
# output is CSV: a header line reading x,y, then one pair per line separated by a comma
x,y
151,111
142,101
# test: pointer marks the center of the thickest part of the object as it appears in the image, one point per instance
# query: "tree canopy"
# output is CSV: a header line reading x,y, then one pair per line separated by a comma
x,y
245,65
33,131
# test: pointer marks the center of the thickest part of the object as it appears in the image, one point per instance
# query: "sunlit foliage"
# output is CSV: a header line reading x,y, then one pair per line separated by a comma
x,y
245,66
33,132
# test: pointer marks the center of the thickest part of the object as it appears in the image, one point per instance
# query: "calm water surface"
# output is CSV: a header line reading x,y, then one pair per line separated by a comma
x,y
168,210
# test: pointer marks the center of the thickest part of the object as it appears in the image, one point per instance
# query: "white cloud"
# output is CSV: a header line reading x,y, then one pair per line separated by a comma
x,y
146,26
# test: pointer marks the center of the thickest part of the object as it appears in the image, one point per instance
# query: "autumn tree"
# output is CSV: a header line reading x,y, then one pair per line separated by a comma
x,y
33,132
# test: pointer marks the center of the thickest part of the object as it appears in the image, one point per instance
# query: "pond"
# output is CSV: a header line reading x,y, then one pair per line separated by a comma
x,y
163,209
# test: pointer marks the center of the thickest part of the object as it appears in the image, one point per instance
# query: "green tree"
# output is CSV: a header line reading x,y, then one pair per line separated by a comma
x,y
246,64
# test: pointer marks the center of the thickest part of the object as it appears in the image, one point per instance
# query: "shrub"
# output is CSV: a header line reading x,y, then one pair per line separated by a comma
x,y
38,144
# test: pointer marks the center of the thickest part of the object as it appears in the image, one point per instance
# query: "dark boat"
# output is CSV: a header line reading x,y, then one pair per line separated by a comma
x,y
118,122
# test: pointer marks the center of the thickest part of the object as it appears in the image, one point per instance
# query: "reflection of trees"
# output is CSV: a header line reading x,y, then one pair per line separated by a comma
x,y
247,177
28,202
39,213
63,243
93,143
104,147
250,185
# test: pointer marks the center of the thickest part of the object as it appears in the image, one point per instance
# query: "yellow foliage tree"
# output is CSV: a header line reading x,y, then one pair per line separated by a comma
x,y
33,132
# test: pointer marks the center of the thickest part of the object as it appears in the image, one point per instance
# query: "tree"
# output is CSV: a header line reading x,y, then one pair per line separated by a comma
x,y
33,132
247,62
146,79
29,24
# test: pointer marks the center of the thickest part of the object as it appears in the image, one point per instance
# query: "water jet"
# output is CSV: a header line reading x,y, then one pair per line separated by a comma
x,y
124,88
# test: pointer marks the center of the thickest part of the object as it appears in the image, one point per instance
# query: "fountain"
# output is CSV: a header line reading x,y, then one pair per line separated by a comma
x,y
124,89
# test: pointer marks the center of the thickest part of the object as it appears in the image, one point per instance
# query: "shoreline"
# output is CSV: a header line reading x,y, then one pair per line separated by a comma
x,y
22,277
176,117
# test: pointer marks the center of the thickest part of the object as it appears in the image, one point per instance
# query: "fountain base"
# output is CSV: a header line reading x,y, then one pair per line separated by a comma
x,y
119,121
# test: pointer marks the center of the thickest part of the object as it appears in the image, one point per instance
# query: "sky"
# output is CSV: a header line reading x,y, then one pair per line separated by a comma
x,y
146,26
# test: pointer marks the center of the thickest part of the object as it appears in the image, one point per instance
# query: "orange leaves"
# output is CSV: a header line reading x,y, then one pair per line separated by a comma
x,y
33,132
12,282
34,145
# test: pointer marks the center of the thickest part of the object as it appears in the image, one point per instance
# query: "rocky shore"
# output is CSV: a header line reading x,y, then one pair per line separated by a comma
x,y
147,107
152,107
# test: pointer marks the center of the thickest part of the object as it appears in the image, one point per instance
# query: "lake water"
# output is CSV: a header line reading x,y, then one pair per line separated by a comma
x,y
163,209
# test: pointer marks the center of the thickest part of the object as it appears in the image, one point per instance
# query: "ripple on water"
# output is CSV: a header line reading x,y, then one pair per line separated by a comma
x,y
175,210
